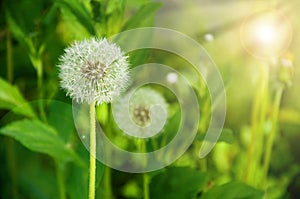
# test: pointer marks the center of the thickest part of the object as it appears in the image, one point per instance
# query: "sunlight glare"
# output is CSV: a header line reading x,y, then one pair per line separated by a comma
x,y
266,35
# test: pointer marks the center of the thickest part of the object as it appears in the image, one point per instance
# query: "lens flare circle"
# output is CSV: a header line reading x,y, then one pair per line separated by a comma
x,y
266,34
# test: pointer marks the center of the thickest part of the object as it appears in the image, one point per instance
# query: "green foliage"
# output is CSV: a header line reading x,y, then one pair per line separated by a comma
x,y
12,99
80,12
177,182
233,190
143,17
226,136
40,137
60,117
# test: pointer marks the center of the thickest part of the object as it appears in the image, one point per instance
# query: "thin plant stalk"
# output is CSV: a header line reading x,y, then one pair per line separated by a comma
x,y
60,180
92,177
271,135
258,121
9,57
142,149
145,175
39,68
146,185
11,154
262,117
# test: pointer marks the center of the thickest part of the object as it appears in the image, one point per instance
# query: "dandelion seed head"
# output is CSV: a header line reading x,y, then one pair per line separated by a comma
x,y
93,70
141,113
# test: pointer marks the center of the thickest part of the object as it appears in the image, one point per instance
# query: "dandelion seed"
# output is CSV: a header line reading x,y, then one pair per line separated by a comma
x,y
93,70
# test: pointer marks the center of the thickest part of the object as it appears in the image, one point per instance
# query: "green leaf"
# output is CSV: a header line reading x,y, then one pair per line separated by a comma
x,y
143,17
61,118
40,137
138,57
177,182
233,190
136,3
19,33
11,99
114,6
79,10
14,27
226,136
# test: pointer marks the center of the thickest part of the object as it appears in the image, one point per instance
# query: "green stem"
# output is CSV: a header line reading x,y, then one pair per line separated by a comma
x,y
145,175
39,68
257,122
146,185
203,164
271,135
60,180
12,165
9,58
92,178
11,154
262,121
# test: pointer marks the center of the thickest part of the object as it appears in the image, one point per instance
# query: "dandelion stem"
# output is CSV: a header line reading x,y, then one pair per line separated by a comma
x,y
145,185
271,135
92,179
60,180
142,148
145,175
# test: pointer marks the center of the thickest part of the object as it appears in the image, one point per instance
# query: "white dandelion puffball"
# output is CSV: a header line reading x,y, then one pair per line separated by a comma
x,y
93,70
142,113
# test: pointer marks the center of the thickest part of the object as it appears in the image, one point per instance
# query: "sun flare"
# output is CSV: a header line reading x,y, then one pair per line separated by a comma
x,y
266,35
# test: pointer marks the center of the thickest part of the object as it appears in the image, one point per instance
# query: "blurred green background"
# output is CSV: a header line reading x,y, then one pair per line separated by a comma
x,y
33,34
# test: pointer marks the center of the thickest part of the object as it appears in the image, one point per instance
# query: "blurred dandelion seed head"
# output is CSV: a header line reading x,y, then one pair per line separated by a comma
x,y
140,104
93,70
141,113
